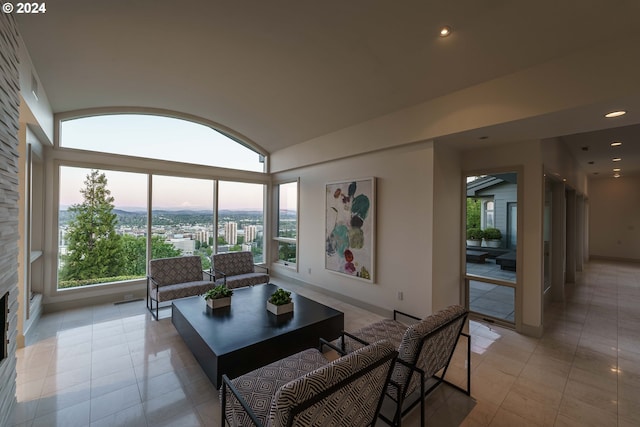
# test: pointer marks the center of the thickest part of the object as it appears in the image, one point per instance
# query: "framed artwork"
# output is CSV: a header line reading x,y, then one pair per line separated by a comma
x,y
350,228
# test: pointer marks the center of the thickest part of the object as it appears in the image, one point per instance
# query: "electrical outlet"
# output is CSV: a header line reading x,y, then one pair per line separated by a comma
x,y
400,296
309,270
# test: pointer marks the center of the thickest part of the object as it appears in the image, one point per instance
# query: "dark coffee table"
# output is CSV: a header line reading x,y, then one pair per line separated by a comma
x,y
238,339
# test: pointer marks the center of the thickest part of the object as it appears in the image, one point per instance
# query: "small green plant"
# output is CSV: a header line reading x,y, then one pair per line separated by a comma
x,y
474,234
280,297
220,291
492,234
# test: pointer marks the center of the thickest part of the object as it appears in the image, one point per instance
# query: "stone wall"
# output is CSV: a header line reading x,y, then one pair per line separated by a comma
x,y
9,112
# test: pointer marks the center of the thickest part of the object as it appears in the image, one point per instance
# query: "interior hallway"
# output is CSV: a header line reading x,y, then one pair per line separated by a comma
x,y
110,365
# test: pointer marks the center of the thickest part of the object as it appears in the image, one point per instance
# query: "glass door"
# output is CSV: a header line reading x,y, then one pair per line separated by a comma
x,y
491,241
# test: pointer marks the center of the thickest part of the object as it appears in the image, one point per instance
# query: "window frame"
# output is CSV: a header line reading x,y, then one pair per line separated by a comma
x,y
485,213
233,135
71,157
278,240
264,218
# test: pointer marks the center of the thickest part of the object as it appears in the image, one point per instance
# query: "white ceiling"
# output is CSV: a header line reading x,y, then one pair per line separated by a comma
x,y
281,72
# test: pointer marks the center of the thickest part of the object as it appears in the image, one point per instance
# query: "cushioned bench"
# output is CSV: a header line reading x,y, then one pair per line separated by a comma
x,y
236,269
173,278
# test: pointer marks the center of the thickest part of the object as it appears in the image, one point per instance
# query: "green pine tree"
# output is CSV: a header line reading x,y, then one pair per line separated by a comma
x,y
93,249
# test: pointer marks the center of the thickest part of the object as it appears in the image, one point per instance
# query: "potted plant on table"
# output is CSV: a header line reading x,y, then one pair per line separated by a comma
x,y
218,296
474,236
280,302
492,237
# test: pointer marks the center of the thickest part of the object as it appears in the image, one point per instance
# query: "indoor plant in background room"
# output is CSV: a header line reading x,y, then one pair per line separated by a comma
x,y
492,237
218,296
474,236
280,302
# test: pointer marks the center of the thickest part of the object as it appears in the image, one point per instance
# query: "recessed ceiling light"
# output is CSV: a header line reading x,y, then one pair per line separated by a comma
x,y
445,31
616,144
615,114
616,169
616,175
616,159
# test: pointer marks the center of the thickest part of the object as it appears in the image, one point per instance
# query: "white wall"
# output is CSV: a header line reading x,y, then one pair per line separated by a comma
x,y
447,228
404,216
559,162
34,109
614,218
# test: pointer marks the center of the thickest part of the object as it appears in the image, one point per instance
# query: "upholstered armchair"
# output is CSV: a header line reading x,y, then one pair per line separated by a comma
x,y
173,278
425,348
305,389
237,269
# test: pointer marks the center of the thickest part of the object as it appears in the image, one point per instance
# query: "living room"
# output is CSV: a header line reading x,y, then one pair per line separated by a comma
x,y
418,152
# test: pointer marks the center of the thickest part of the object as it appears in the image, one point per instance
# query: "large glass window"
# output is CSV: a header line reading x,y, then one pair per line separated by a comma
x,y
102,222
287,233
109,224
182,218
241,218
489,214
156,137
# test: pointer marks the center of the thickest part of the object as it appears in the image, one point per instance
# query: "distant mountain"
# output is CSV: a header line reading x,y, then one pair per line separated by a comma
x,y
179,212
167,217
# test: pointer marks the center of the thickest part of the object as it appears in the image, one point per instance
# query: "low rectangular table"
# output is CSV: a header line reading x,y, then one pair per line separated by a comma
x,y
238,339
507,261
479,257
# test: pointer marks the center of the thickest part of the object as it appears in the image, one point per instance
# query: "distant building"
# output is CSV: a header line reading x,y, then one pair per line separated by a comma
x,y
231,232
187,246
202,235
250,232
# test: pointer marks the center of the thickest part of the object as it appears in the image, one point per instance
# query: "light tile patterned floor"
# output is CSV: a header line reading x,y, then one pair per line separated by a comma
x,y
110,365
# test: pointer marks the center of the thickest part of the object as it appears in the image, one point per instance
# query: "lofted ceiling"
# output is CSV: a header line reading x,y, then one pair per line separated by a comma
x,y
282,72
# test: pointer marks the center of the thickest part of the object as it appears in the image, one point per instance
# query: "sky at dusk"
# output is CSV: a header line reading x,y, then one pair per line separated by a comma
x,y
130,191
157,137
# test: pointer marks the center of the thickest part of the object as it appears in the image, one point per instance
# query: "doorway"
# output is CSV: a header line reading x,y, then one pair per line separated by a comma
x,y
491,224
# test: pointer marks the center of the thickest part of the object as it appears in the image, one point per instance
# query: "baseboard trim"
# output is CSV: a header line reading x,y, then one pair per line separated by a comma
x,y
53,307
610,258
531,330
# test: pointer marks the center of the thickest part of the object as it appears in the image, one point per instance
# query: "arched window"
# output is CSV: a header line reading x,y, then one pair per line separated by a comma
x,y
118,212
161,138
489,214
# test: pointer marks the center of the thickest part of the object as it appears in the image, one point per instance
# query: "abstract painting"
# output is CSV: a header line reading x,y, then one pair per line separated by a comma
x,y
350,228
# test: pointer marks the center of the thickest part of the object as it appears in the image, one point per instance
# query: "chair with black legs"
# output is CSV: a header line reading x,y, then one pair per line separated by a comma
x,y
425,350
